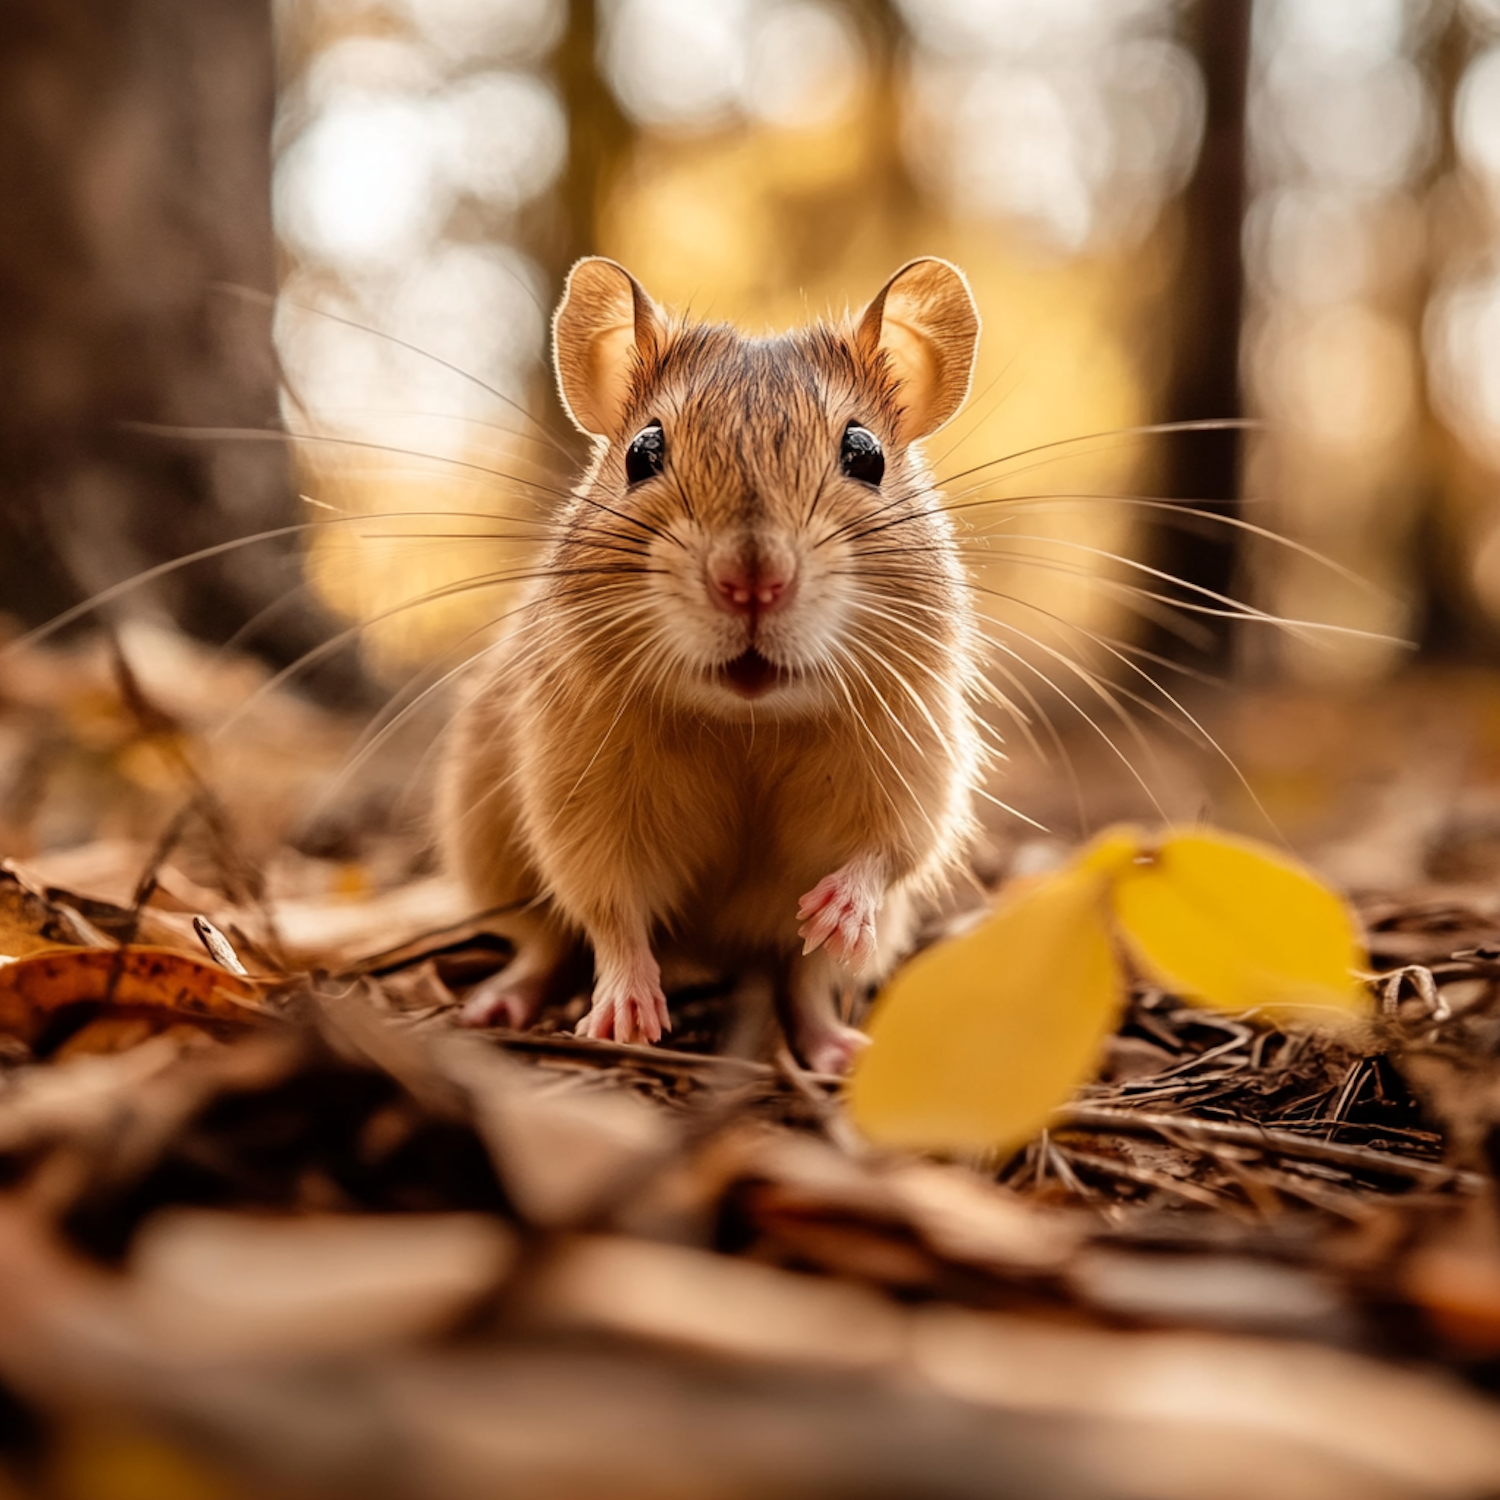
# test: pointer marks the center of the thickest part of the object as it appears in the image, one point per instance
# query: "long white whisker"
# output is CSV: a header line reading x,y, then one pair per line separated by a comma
x,y
272,300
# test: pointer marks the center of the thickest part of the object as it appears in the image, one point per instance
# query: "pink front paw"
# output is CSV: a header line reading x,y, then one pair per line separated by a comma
x,y
503,1001
627,1012
833,1049
839,913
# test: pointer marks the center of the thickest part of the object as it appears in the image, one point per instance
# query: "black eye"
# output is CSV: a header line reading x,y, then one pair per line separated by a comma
x,y
646,454
860,456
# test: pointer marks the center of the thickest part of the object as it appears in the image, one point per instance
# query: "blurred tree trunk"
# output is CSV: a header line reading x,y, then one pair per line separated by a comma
x,y
599,135
599,141
1205,379
135,170
1452,622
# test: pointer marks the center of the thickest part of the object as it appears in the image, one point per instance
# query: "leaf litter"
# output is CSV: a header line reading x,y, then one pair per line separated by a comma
x,y
271,1224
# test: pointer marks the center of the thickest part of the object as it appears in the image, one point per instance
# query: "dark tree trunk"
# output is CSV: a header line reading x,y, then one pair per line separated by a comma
x,y
1205,378
135,170
599,135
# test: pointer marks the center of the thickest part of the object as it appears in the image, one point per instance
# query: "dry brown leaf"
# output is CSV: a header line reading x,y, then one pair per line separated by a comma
x,y
109,1459
73,911
29,922
107,1035
1454,1278
80,1098
219,1285
338,932
110,870
966,1218
564,1155
715,1303
34,989
1235,1292
1407,1432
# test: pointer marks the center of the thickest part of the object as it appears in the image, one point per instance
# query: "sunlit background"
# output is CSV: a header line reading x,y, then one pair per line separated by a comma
x,y
762,162
441,162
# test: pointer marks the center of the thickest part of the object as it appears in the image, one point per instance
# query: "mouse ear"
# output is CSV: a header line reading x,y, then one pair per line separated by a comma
x,y
925,322
604,325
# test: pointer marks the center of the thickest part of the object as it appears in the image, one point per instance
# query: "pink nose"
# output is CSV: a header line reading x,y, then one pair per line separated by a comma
x,y
743,589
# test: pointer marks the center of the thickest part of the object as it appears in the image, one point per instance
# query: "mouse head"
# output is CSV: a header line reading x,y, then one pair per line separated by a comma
x,y
768,493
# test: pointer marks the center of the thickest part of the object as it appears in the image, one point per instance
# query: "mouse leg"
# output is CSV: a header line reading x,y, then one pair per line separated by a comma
x,y
628,1001
515,995
838,913
817,1032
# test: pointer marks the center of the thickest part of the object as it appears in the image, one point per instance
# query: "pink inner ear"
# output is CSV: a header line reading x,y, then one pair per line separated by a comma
x,y
604,314
915,362
609,375
925,320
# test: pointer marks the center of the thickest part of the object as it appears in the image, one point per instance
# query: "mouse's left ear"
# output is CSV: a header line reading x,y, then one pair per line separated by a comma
x,y
606,328
925,322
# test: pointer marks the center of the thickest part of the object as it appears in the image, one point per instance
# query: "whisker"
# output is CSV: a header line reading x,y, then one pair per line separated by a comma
x,y
329,440
902,497
203,554
1040,504
973,417
1149,429
872,739
1246,611
1095,685
394,713
1015,812
602,541
267,299
1158,608
343,637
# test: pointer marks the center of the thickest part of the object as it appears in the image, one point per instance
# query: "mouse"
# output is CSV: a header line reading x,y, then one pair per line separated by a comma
x,y
735,717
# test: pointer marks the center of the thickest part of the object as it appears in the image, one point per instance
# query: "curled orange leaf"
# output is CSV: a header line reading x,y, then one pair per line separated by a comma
x,y
161,980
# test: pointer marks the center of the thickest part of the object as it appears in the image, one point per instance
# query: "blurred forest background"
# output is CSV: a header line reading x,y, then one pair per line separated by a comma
x,y
281,270
351,218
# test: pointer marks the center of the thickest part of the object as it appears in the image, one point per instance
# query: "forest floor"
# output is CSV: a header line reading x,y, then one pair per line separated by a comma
x,y
272,1224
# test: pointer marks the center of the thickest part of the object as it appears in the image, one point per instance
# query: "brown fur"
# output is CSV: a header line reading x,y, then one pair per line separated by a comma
x,y
607,780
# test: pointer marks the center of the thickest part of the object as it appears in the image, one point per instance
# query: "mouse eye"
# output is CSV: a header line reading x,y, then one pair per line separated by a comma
x,y
861,457
646,454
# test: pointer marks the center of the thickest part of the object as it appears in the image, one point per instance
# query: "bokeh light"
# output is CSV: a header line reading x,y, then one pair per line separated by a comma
x,y
521,31
773,160
1076,121
1344,131
697,64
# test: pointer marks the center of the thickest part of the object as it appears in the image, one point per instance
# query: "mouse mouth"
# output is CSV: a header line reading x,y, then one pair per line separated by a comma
x,y
750,674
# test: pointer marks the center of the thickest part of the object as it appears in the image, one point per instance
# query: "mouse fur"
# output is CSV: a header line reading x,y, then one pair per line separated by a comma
x,y
735,715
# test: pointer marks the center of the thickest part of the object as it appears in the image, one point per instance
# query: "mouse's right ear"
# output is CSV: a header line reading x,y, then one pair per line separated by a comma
x,y
924,324
606,327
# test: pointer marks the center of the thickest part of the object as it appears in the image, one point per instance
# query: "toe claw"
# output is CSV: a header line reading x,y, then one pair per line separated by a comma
x,y
636,1013
839,912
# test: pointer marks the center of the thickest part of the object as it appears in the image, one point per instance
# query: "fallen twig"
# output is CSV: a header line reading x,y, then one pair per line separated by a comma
x,y
1278,1142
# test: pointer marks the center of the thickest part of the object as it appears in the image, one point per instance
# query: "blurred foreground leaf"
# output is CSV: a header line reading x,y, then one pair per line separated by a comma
x,y
978,1040
100,1459
1232,924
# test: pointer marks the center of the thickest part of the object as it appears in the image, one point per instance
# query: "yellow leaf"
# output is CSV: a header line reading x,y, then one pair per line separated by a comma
x,y
1234,924
101,1458
976,1041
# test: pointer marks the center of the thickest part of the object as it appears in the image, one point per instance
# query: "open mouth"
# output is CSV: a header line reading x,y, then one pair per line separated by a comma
x,y
750,674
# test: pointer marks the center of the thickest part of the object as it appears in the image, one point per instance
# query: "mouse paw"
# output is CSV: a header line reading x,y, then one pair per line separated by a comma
x,y
503,1001
839,913
833,1048
632,1010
